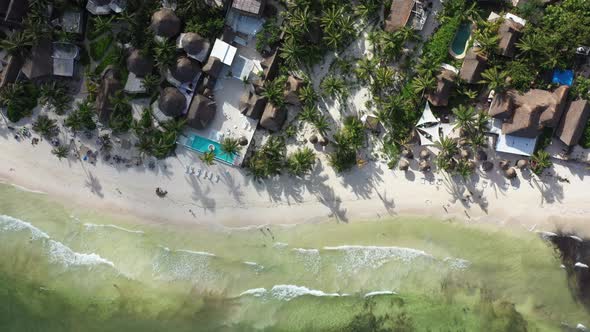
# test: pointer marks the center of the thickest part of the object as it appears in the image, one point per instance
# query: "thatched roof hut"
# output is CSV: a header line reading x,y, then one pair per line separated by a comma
x,y
201,111
503,164
510,32
487,166
425,154
444,84
313,139
273,117
424,166
510,173
139,64
473,65
213,67
404,165
571,127
109,85
522,163
185,69
291,93
172,102
165,23
400,13
193,43
407,153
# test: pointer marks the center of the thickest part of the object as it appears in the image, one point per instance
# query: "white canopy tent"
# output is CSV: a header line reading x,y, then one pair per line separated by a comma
x,y
427,116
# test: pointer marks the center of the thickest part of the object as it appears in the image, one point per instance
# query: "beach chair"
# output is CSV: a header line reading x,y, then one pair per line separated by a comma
x,y
217,179
199,172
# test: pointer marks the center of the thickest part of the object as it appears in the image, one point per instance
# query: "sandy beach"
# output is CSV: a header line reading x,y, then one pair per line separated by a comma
x,y
236,200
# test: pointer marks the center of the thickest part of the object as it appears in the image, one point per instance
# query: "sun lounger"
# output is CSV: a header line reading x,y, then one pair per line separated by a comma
x,y
217,178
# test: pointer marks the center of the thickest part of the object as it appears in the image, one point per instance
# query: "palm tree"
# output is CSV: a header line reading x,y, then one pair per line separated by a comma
x,y
164,53
464,118
301,19
145,146
333,38
529,45
307,95
540,161
151,82
321,124
274,91
384,78
208,158
422,84
407,34
174,126
119,102
331,17
61,151
333,86
301,161
17,44
495,79
447,146
45,126
291,52
230,146
308,113
365,69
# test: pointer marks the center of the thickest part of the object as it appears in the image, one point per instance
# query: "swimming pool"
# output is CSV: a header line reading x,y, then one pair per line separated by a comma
x,y
201,144
459,44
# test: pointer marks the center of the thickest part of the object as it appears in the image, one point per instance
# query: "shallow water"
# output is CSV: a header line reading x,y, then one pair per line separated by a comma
x,y
67,270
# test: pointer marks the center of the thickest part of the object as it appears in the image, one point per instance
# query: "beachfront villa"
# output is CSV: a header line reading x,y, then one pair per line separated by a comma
x,y
520,118
404,13
445,81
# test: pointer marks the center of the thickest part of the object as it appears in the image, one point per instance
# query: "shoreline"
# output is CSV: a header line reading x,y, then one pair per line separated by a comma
x,y
373,192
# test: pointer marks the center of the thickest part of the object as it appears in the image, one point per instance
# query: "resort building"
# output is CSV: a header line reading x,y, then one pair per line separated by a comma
x,y
171,104
47,59
445,81
165,23
105,7
273,117
520,118
249,7
195,46
138,66
509,32
405,12
473,65
574,121
201,111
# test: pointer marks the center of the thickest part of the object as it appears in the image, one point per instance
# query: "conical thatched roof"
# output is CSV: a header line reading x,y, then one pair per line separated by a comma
x,y
522,163
424,166
510,173
404,165
185,69
481,155
313,139
139,64
172,102
504,164
424,154
407,153
243,141
165,23
193,43
487,166
324,141
213,67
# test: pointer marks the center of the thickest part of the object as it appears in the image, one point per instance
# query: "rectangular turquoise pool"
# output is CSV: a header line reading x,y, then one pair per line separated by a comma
x,y
202,145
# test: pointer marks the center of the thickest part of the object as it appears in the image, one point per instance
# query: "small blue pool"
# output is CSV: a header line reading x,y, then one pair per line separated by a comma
x,y
202,145
563,77
459,44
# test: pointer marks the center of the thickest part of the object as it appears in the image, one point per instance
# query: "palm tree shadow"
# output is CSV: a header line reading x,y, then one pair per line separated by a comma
x,y
324,194
233,187
200,197
94,185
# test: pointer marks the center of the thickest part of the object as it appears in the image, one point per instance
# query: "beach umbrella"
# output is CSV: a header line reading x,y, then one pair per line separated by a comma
x,y
487,166
522,163
404,165
324,141
481,155
510,173
407,153
424,166
243,141
313,139
471,164
424,154
504,164
464,153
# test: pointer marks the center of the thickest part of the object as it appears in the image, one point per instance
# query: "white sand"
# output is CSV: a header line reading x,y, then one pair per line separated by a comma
x,y
237,201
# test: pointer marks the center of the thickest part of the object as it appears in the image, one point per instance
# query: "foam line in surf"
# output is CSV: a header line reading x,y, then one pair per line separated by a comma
x,y
90,226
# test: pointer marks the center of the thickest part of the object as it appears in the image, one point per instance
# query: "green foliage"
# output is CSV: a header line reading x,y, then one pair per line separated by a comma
x,y
544,139
437,48
585,140
523,76
81,118
98,25
307,95
121,118
164,54
269,160
208,21
348,141
269,36
55,95
540,161
230,146
99,47
18,44
208,158
496,79
61,151
448,149
157,142
334,87
45,126
19,99
581,88
274,91
301,162
115,57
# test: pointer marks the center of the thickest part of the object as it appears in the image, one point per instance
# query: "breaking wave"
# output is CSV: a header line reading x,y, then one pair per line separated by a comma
x,y
377,293
182,264
58,252
358,257
287,292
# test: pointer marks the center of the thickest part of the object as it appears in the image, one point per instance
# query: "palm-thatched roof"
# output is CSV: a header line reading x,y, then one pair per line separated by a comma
x,y
399,14
201,111
213,67
510,32
165,23
574,121
172,102
185,70
139,64
109,84
404,165
273,117
193,43
473,65
444,84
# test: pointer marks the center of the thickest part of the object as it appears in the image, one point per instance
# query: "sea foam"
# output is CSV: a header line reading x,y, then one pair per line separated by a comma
x,y
91,226
287,292
376,293
57,251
